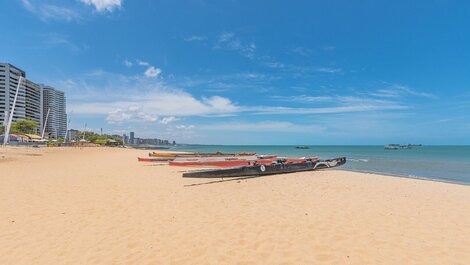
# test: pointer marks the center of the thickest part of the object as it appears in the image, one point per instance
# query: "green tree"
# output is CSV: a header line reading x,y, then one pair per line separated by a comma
x,y
2,129
24,126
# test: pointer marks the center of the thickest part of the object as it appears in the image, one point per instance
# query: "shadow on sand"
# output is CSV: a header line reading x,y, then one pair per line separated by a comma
x,y
225,180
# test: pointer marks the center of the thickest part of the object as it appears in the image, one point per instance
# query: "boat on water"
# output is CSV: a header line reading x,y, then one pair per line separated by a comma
x,y
396,147
302,147
221,161
272,169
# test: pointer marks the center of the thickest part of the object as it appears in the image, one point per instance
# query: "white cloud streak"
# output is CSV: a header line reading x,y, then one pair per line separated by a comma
x,y
397,91
228,41
104,5
49,12
195,38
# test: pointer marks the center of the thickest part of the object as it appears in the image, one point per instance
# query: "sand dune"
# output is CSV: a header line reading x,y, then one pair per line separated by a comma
x,y
100,206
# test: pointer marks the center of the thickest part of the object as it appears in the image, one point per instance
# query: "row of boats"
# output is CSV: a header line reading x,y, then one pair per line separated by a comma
x,y
240,164
217,159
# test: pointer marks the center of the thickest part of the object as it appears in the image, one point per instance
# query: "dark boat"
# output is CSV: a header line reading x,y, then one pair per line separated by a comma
x,y
302,147
261,170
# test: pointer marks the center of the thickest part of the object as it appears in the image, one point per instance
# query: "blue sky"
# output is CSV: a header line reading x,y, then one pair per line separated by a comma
x,y
252,72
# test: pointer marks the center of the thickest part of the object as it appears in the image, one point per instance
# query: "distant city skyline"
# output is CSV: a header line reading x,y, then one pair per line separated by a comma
x,y
244,72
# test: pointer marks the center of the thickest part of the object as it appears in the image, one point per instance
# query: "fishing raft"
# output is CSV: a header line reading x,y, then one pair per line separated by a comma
x,y
279,167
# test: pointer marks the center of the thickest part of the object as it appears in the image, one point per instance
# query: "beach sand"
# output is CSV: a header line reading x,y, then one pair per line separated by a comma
x,y
101,206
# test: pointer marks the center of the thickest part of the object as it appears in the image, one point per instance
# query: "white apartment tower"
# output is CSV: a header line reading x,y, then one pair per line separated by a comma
x,y
33,104
54,103
9,77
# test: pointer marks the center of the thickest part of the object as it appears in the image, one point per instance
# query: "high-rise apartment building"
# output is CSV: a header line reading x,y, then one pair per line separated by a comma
x,y
9,77
33,103
54,105
131,138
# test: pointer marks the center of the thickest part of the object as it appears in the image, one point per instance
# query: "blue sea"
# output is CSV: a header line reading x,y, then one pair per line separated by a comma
x,y
443,163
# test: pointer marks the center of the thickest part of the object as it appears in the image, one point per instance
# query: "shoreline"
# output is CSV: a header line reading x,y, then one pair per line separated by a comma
x,y
407,177
386,174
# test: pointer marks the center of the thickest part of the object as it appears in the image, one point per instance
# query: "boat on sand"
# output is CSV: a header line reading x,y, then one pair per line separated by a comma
x,y
153,159
174,155
272,169
221,161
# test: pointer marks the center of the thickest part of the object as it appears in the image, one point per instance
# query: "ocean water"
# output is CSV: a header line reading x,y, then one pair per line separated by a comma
x,y
443,163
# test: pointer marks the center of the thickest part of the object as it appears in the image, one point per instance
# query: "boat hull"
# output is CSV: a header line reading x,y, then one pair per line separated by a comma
x,y
261,170
153,159
220,163
217,154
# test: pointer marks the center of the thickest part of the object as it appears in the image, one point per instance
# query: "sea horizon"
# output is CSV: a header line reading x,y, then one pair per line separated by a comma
x,y
445,163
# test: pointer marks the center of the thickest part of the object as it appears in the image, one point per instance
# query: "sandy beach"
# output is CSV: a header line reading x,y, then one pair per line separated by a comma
x,y
101,206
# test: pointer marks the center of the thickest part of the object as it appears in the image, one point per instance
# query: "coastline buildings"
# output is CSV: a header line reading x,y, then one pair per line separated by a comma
x,y
131,138
32,103
9,77
54,104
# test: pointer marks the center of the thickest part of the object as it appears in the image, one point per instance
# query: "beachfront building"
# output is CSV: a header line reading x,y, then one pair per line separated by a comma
x,y
72,134
9,77
131,138
33,104
54,105
33,101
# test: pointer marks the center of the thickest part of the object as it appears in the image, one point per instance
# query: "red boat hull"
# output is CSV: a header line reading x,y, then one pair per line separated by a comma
x,y
225,163
153,159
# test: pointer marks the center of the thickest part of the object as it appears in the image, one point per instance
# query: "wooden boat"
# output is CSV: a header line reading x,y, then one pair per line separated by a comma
x,y
167,155
173,155
220,161
295,160
260,170
153,159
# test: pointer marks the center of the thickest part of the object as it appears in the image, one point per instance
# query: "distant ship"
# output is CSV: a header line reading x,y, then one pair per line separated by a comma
x,y
302,147
396,147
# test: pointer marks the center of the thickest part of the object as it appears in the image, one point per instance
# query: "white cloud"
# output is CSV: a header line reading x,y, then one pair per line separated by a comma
x,y
168,120
228,41
103,5
142,63
185,127
118,116
130,114
123,99
396,91
146,117
304,98
152,72
128,63
195,38
47,12
328,70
